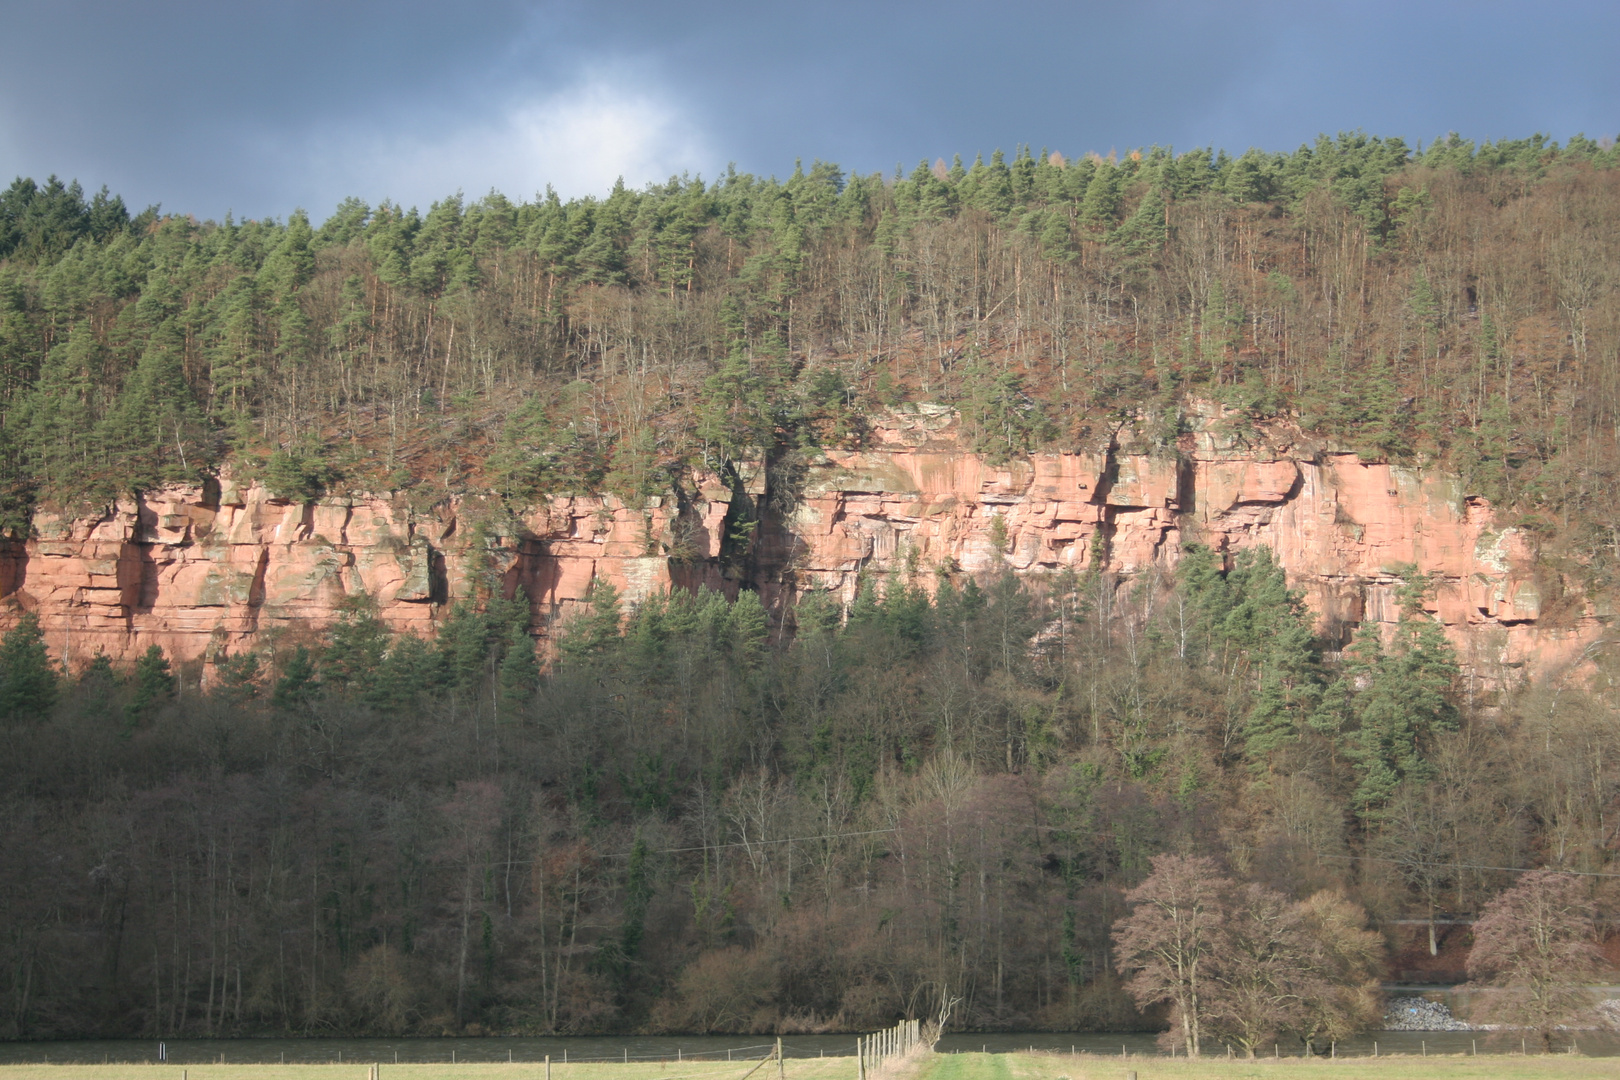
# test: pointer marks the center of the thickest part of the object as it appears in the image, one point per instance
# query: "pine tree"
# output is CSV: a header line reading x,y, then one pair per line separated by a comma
x,y
993,191
413,667
637,894
55,419
355,648
238,677
749,627
1382,427
734,413
520,669
1142,233
1273,624
1103,194
1247,180
154,431
1056,236
1003,418
593,630
1248,619
633,474
27,677
1404,701
153,684
297,685
98,691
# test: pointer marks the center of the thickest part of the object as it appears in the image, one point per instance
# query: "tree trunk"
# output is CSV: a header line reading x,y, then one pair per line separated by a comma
x,y
461,960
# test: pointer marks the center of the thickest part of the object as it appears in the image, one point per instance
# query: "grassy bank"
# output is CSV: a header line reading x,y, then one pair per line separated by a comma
x,y
1021,1066
1389,1067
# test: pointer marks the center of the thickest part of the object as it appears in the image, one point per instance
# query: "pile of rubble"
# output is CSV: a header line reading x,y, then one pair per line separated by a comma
x,y
1608,1013
1420,1014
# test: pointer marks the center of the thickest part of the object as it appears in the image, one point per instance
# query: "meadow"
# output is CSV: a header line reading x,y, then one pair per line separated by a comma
x,y
1012,1066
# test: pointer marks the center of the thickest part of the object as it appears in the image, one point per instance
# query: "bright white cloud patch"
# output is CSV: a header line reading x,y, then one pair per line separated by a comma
x,y
578,140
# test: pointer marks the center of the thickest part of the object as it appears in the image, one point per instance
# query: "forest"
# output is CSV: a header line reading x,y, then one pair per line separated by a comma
x,y
692,815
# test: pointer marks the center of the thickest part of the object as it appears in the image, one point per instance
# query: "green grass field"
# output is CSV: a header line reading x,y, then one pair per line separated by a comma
x,y
943,1067
1395,1067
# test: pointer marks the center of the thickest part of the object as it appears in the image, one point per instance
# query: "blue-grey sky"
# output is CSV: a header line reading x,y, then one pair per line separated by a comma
x,y
260,106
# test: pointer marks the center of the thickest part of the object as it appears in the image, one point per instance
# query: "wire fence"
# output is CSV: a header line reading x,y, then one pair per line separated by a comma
x,y
1405,1044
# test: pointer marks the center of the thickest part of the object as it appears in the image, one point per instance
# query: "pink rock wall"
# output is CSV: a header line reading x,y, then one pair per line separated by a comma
x,y
1342,528
202,571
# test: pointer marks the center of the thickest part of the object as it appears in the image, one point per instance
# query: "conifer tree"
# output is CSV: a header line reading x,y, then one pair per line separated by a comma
x,y
748,628
356,644
591,631
297,685
56,418
1103,194
28,679
154,431
520,669
637,893
153,684
470,641
1142,233
98,690
414,666
1393,702
1246,180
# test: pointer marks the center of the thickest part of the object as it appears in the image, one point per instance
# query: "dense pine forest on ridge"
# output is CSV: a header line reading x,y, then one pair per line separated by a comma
x,y
701,815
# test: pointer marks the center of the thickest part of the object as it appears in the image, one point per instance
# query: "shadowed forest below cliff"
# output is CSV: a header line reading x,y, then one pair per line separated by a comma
x,y
683,826
688,821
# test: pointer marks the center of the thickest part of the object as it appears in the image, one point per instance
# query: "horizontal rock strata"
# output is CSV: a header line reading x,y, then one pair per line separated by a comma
x,y
224,567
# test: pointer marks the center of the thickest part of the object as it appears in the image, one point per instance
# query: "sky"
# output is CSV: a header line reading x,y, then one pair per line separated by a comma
x,y
257,108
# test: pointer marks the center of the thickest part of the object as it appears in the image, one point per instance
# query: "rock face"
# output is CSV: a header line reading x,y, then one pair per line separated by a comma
x,y
222,568
1344,529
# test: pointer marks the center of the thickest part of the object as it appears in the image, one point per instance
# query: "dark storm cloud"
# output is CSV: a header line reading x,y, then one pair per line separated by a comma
x,y
263,106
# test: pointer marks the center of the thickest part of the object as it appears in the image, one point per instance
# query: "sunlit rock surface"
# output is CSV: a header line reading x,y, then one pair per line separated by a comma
x,y
227,567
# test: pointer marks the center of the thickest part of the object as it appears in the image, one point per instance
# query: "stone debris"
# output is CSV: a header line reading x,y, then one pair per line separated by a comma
x,y
1421,1014
1608,1013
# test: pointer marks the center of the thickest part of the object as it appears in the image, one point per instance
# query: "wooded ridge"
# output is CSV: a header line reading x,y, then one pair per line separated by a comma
x,y
745,809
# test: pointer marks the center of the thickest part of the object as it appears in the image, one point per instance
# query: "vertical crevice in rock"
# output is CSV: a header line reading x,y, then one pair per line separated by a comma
x,y
738,529
255,592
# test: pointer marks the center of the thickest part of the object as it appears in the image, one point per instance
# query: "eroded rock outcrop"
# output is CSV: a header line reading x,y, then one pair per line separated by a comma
x,y
227,567
1343,528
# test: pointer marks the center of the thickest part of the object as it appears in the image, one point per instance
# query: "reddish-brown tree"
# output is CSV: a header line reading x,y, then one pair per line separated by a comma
x,y
1171,935
1534,952
1260,971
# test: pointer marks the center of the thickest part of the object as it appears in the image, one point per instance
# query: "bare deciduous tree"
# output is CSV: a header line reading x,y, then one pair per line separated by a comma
x,y
1346,961
1243,965
1167,941
1534,951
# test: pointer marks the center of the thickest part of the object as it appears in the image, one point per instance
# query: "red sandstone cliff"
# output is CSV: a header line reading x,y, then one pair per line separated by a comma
x,y
223,567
